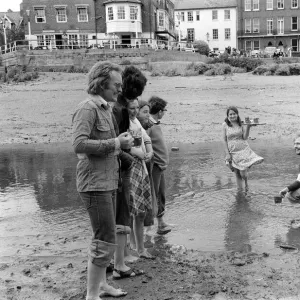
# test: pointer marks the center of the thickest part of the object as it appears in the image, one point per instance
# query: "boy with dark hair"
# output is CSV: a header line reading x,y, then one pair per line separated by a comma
x,y
161,159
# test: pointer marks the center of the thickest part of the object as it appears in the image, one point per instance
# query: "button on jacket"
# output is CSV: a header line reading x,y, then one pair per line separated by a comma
x,y
94,140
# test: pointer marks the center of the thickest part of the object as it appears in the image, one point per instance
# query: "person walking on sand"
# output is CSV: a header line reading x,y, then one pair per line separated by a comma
x,y
97,147
160,161
239,155
292,191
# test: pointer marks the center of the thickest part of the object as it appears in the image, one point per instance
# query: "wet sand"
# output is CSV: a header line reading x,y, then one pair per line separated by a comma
x,y
55,268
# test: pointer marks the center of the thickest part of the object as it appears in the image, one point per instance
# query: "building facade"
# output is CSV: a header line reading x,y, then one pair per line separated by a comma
x,y
212,21
132,22
269,23
59,23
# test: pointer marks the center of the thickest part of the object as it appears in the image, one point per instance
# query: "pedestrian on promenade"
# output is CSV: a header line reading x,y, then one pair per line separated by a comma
x,y
160,160
239,155
97,146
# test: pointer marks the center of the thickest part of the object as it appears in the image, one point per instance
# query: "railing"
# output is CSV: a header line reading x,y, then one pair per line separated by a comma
x,y
97,45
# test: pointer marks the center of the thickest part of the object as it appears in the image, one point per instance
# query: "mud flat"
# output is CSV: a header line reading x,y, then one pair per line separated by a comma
x,y
54,268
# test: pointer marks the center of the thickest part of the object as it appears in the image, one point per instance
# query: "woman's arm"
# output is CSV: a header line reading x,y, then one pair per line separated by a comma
x,y
228,155
246,131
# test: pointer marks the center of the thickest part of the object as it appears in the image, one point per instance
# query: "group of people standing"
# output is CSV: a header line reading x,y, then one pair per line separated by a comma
x,y
120,173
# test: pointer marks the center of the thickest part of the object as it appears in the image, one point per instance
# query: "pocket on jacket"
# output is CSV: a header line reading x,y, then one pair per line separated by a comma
x,y
104,131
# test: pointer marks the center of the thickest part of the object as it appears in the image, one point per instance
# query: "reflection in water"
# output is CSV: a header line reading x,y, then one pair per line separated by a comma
x,y
38,196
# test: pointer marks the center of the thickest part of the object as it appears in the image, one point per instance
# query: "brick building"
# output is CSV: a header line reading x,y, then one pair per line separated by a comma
x,y
135,21
57,23
212,21
268,23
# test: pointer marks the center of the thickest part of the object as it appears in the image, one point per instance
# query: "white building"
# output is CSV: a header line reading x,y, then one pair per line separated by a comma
x,y
213,21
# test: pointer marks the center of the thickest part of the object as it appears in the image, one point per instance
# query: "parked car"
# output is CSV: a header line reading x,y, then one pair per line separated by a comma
x,y
41,48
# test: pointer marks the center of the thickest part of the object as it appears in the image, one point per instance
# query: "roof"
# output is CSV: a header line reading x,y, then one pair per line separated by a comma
x,y
13,17
204,4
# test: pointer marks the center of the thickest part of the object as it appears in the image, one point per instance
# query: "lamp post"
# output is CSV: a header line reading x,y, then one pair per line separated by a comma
x,y
179,31
136,24
207,38
29,28
4,32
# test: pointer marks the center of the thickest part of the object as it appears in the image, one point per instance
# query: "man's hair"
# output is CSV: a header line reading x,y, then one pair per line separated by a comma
x,y
134,83
99,76
156,104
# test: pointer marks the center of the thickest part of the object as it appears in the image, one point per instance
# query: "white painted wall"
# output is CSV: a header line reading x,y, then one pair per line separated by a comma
x,y
207,24
127,25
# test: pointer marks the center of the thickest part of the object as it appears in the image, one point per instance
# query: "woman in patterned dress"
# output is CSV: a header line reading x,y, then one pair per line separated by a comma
x,y
239,155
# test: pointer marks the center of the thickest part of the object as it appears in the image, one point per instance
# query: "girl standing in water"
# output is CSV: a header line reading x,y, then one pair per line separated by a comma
x,y
239,155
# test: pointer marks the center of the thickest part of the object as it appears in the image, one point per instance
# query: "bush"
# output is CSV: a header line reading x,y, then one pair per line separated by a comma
x,y
188,73
238,70
222,69
202,47
126,62
199,68
283,70
156,73
294,69
260,70
210,72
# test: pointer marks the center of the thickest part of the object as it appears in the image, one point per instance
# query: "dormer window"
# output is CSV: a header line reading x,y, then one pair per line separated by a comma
x,y
82,13
61,14
40,15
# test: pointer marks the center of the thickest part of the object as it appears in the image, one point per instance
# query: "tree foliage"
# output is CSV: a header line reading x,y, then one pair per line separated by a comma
x,y
202,47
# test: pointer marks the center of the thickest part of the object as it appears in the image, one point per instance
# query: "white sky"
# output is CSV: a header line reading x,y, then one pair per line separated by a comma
x,y
14,5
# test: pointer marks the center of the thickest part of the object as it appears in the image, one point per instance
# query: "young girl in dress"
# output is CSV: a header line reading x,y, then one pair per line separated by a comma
x,y
239,155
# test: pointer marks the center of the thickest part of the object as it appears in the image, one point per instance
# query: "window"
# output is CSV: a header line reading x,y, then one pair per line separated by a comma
x,y
40,15
215,15
133,13
294,23
197,15
255,4
269,4
226,14
294,3
182,16
280,24
255,45
280,4
110,13
121,12
269,26
247,5
73,39
161,19
191,35
190,16
295,44
83,40
247,25
48,39
255,25
227,34
61,15
82,14
40,40
248,46
215,34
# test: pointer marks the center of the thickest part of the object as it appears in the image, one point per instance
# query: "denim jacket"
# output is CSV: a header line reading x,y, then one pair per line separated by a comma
x,y
94,140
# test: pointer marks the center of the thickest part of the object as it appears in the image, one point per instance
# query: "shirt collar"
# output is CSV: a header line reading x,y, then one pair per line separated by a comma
x,y
153,121
99,101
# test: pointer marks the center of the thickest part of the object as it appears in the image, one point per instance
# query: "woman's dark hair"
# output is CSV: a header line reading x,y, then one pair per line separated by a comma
x,y
134,83
239,121
156,104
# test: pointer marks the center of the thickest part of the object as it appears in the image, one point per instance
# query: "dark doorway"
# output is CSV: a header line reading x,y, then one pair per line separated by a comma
x,y
126,41
280,43
58,41
270,44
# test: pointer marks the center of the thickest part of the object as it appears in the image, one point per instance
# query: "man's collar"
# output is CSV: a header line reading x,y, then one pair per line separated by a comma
x,y
99,101
153,121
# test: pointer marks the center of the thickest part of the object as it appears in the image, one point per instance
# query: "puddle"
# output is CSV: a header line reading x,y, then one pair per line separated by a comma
x,y
38,197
